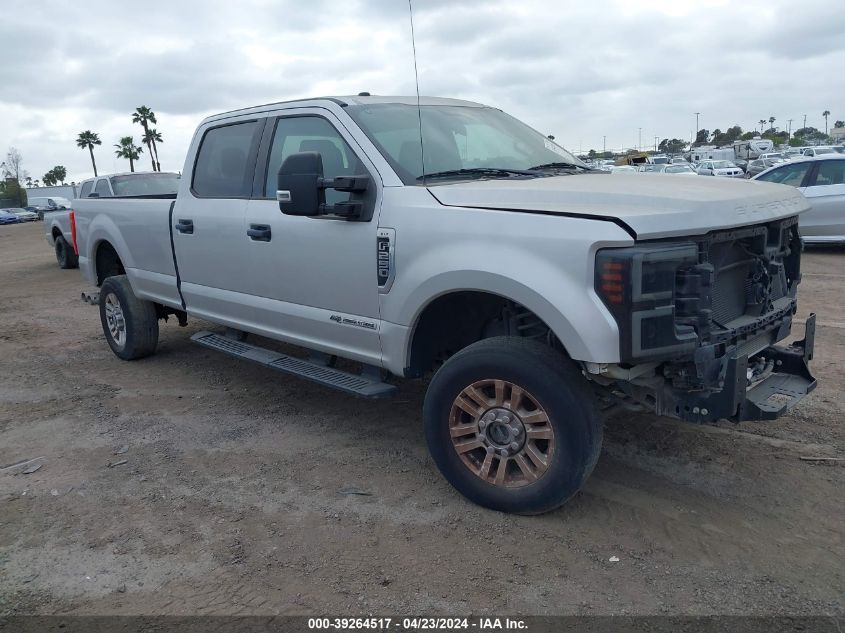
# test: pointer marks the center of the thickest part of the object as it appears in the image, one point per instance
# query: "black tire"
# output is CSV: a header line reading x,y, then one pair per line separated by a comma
x,y
140,322
551,380
65,254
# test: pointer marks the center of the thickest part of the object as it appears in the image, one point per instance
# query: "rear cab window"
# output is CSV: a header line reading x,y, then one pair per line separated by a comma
x,y
86,189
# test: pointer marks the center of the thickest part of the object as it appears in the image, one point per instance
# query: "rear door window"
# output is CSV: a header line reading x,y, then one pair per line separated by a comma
x,y
225,161
830,172
102,188
792,174
86,189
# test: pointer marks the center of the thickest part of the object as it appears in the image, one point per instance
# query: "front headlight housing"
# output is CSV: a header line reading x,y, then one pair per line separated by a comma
x,y
638,286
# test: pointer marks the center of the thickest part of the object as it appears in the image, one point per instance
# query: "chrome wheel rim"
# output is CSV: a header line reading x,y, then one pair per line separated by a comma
x,y
501,433
114,319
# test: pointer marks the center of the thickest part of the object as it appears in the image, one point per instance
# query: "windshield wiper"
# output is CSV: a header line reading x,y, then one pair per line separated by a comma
x,y
480,172
560,166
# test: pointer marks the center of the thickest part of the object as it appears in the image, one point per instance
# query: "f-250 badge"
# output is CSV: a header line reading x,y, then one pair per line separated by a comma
x,y
385,243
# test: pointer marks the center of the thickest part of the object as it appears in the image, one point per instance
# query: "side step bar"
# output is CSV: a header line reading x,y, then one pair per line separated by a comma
x,y
327,376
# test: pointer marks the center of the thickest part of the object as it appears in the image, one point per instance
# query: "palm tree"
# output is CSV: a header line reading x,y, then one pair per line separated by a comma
x,y
772,121
89,139
825,114
151,137
762,123
145,116
126,148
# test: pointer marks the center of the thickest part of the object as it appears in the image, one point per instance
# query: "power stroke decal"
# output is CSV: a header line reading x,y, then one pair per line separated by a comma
x,y
385,245
337,318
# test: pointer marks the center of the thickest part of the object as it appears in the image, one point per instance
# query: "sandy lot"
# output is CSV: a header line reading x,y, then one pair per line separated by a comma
x,y
247,492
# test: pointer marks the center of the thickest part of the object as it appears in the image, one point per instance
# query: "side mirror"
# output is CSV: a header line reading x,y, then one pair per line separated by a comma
x,y
93,194
301,188
297,185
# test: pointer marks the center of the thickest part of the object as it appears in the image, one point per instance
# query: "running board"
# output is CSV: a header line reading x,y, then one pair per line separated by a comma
x,y
327,376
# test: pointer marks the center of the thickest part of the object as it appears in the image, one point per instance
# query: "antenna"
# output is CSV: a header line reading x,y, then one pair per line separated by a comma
x,y
417,80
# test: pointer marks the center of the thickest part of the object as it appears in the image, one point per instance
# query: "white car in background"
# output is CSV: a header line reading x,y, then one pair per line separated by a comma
x,y
822,181
623,169
678,169
821,150
722,168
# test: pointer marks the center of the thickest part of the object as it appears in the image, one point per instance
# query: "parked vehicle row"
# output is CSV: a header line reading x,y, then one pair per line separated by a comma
x,y
21,214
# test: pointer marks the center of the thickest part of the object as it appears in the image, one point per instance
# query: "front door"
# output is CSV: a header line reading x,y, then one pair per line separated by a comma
x,y
314,280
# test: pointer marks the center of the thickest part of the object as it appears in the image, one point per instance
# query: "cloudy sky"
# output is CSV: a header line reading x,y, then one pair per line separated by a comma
x,y
578,70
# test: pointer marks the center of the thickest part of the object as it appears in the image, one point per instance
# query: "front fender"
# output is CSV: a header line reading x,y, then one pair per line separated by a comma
x,y
559,294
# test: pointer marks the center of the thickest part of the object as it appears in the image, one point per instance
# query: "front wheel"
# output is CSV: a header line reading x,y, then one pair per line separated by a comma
x,y
512,425
130,324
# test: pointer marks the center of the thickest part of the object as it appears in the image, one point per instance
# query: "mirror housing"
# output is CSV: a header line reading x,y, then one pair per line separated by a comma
x,y
297,185
301,188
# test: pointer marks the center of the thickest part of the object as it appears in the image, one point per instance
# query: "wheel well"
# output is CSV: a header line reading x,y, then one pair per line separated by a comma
x,y
56,232
456,320
108,262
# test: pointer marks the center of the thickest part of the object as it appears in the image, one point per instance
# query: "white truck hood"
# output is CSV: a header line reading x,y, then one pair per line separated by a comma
x,y
649,205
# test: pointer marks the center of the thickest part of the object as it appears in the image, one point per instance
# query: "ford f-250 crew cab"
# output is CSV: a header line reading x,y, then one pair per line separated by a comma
x,y
452,239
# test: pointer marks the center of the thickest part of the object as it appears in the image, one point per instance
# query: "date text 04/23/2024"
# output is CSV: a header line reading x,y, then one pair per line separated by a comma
x,y
416,624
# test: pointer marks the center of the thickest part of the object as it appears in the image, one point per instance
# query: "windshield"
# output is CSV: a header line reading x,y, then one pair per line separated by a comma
x,y
145,184
824,150
454,138
679,169
652,168
660,160
722,164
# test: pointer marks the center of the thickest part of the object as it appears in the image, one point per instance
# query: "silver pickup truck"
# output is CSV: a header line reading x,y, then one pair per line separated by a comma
x,y
57,224
450,241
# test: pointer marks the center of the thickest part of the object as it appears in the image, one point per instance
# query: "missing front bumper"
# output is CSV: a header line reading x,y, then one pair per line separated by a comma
x,y
788,383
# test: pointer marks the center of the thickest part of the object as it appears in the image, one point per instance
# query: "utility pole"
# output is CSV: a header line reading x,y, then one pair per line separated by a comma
x,y
604,144
655,142
805,121
640,146
696,125
789,130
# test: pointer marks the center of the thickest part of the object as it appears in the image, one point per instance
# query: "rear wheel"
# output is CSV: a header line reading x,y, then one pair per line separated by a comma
x,y
130,324
65,254
513,425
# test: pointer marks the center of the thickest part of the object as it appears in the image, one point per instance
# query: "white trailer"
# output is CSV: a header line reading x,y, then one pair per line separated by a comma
x,y
709,152
753,148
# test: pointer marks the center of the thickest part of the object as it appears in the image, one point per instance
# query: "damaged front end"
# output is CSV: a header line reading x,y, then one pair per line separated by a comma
x,y
699,320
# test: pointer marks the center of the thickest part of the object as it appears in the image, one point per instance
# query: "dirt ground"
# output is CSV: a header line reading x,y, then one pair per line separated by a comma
x,y
247,492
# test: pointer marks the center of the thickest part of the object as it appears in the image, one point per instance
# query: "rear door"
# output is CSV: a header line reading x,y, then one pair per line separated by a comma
x,y
207,223
314,280
826,194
